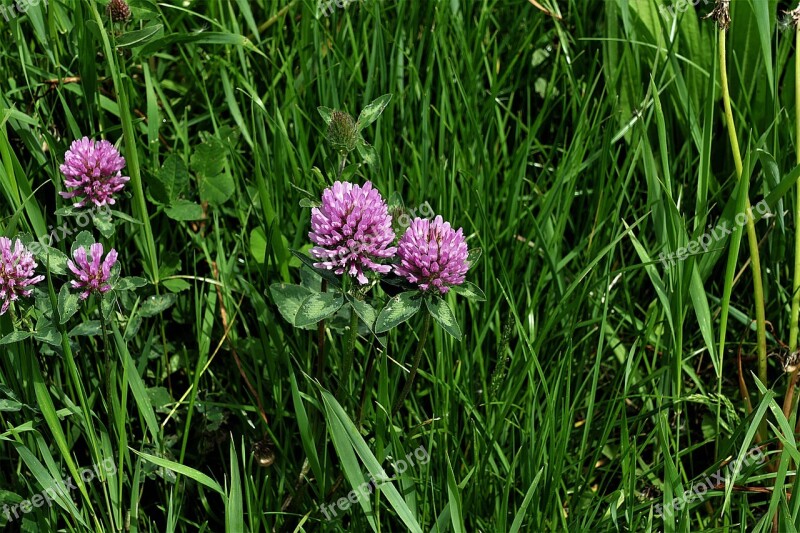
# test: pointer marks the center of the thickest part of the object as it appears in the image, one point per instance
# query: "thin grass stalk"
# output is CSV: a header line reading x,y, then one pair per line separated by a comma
x,y
426,327
752,239
788,401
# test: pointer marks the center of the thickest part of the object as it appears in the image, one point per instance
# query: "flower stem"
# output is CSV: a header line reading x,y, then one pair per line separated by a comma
x,y
426,327
752,239
342,164
349,351
107,350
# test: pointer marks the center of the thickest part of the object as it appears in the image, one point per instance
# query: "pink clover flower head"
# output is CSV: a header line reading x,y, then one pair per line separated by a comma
x,y
16,272
92,170
352,230
432,255
92,273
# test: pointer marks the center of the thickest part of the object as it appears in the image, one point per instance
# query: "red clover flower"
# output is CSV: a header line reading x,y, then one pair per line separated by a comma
x,y
93,170
16,272
432,255
91,274
352,230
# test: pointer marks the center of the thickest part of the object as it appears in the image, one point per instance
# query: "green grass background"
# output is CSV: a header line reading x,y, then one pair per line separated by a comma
x,y
573,148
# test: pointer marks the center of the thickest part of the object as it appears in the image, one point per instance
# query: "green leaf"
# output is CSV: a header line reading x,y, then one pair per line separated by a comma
x,y
234,506
317,306
217,190
473,256
126,217
11,402
138,37
67,303
83,239
130,283
288,298
305,427
373,110
199,37
159,397
134,380
521,512
469,290
46,332
50,257
107,304
104,224
182,210
325,113
178,468
309,202
176,285
208,158
328,275
15,336
442,314
398,310
365,312
258,245
454,499
156,304
88,329
349,443
367,153
171,180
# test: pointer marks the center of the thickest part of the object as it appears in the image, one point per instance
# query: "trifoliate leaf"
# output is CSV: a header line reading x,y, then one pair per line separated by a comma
x,y
399,309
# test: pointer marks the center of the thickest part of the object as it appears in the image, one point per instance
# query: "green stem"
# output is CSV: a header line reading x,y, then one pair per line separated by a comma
x,y
107,349
752,239
793,324
342,164
426,327
349,352
788,401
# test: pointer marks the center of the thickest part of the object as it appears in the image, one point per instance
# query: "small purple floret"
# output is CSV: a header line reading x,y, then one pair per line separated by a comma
x,y
91,274
16,272
93,171
432,255
352,230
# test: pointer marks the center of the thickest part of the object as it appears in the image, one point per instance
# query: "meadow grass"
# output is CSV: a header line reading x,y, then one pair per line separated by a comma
x,y
574,141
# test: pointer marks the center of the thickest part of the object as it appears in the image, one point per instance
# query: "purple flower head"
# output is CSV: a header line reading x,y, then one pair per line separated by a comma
x,y
91,274
352,229
432,255
16,272
92,170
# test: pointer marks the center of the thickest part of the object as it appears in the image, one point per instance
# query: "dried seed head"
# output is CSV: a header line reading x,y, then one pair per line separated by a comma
x,y
722,13
342,132
118,10
794,17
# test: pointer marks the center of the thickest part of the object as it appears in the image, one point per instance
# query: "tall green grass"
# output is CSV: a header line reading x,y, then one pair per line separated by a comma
x,y
573,147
